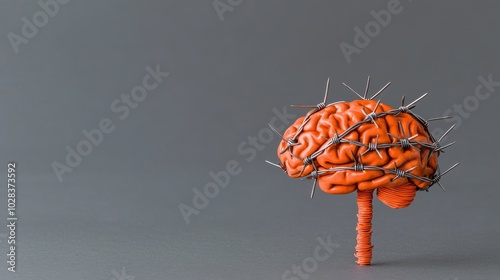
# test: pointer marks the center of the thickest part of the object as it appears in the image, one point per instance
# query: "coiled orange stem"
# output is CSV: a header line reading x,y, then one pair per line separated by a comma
x,y
364,228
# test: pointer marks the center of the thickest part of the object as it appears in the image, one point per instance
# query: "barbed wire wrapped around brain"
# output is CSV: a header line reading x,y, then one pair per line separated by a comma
x,y
364,145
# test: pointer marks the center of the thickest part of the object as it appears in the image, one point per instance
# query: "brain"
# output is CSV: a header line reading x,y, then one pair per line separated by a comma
x,y
362,145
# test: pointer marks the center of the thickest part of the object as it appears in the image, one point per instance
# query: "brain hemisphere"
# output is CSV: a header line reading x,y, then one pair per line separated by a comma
x,y
318,148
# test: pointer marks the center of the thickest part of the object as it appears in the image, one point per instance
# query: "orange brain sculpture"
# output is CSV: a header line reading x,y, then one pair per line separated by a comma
x,y
363,145
392,141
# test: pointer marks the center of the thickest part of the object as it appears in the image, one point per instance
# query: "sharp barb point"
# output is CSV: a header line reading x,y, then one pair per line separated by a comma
x,y
446,146
411,169
326,90
416,100
273,164
353,156
401,129
313,188
302,106
367,87
440,118
380,91
449,169
393,136
276,131
352,90
376,106
441,186
363,111
413,137
448,131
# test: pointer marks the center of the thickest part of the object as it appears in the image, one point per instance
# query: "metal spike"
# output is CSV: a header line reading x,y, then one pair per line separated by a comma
x,y
353,157
403,101
303,106
380,91
282,138
367,87
376,149
371,118
305,164
401,129
430,155
302,171
448,131
449,169
393,136
440,118
314,188
274,164
353,90
395,172
445,146
326,90
320,105
416,100
413,137
411,169
416,148
441,186
376,106
277,132
436,180
363,111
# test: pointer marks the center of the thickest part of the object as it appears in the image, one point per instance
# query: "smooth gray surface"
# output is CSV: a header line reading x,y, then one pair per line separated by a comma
x,y
119,207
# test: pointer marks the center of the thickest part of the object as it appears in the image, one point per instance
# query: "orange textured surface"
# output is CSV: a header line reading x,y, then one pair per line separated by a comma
x,y
363,240
338,117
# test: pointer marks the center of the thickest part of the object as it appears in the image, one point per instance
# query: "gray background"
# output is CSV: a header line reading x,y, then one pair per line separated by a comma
x,y
119,207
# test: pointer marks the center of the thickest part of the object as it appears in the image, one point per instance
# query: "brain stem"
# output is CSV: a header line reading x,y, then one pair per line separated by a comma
x,y
364,228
